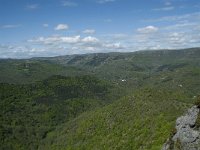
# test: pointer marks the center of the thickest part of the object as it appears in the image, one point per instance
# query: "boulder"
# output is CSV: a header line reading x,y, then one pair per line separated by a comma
x,y
186,137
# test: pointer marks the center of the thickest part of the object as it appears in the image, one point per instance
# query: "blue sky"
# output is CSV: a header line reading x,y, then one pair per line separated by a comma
x,y
32,28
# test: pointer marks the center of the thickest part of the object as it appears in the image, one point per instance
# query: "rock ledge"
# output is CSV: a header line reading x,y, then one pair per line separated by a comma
x,y
186,137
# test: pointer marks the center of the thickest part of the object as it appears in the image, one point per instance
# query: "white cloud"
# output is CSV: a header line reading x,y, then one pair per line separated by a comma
x,y
165,39
46,25
89,31
14,51
181,26
164,8
76,44
182,32
69,4
115,37
168,3
105,1
61,27
90,39
90,48
167,6
107,20
71,40
56,40
62,45
8,26
147,30
113,46
32,6
177,38
189,16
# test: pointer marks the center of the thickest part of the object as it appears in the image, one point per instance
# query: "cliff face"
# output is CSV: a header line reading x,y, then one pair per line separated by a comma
x,y
186,135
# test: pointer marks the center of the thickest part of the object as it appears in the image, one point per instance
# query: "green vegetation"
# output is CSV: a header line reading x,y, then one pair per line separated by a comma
x,y
197,102
96,101
197,124
29,112
30,71
141,121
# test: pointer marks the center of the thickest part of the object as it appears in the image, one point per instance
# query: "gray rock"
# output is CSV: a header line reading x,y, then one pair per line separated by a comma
x,y
186,135
166,146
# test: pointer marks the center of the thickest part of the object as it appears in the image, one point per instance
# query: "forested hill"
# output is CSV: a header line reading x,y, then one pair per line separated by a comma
x,y
29,112
96,101
112,66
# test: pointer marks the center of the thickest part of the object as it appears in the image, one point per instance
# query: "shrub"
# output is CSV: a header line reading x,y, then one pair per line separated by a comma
x,y
197,103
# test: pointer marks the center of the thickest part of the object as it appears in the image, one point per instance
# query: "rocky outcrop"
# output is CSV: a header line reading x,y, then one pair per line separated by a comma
x,y
186,136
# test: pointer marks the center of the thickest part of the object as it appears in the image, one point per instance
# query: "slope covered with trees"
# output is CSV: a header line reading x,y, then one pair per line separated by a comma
x,y
96,101
30,111
143,120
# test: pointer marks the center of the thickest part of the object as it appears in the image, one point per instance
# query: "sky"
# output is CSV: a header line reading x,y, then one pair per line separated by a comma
x,y
46,28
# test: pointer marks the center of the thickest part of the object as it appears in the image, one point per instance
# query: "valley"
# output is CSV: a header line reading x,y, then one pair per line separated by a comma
x,y
96,101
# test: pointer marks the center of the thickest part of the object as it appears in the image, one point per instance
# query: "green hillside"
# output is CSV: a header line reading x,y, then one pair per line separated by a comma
x,y
143,120
29,71
30,111
96,101
115,66
174,68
